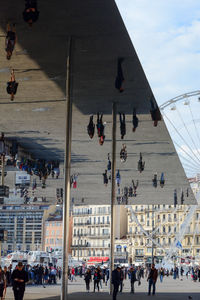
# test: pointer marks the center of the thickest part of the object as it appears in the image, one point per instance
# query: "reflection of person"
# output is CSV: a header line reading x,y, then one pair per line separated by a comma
x,y
122,125
135,120
91,127
19,278
155,113
10,40
30,13
12,86
88,279
141,164
162,180
120,77
100,129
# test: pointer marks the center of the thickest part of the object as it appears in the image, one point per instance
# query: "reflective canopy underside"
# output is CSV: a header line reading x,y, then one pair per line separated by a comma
x,y
37,116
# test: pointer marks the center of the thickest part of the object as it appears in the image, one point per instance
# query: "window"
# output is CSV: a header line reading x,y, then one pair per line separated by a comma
x,y
94,220
108,220
163,229
163,217
147,222
139,251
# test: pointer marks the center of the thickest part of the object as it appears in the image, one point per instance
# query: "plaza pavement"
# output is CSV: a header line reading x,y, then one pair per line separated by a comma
x,y
169,289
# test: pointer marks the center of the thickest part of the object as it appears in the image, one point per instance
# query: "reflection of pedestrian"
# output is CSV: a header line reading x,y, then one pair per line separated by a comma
x,y
135,120
123,153
105,178
154,181
30,13
162,180
10,41
12,86
135,186
141,164
116,281
91,127
100,129
122,125
120,77
118,178
2,284
155,112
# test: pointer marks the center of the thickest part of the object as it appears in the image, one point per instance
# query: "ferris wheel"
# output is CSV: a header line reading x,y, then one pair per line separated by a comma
x,y
182,118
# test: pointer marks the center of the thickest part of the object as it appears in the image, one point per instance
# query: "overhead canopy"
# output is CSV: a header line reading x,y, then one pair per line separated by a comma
x,y
36,118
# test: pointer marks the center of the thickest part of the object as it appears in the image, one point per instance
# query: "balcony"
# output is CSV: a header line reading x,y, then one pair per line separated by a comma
x,y
99,236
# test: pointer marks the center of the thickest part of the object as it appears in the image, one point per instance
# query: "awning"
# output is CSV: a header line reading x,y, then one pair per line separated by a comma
x,y
98,259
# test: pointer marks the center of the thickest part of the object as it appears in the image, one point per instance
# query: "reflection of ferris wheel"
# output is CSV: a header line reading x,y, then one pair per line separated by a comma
x,y
181,115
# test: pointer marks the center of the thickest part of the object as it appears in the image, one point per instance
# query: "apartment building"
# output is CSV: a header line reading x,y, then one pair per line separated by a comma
x,y
24,225
91,230
165,222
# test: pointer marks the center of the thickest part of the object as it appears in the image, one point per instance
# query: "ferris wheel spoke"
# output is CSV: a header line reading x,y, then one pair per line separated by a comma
x,y
189,135
194,123
185,142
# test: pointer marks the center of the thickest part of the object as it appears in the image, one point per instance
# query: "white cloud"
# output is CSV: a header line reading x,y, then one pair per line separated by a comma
x,y
166,37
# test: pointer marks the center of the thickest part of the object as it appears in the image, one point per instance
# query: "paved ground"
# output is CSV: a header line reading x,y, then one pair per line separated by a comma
x,y
169,289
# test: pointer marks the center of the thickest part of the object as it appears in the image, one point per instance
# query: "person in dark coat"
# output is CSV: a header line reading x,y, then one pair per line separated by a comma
x,y
12,86
30,13
87,279
116,280
19,278
120,77
122,125
135,120
152,278
97,278
141,164
91,127
133,279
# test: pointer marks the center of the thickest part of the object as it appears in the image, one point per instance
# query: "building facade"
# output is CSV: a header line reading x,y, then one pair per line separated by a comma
x,y
24,225
165,222
91,230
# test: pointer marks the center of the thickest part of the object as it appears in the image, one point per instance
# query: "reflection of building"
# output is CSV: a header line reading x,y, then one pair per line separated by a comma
x,y
91,230
24,224
166,222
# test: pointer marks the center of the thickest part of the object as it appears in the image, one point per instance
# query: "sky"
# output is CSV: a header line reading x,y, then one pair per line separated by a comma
x,y
166,37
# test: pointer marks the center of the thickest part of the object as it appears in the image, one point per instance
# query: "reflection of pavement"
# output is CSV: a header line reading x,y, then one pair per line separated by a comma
x,y
169,289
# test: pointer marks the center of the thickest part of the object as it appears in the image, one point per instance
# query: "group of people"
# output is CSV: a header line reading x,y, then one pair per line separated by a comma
x,y
30,15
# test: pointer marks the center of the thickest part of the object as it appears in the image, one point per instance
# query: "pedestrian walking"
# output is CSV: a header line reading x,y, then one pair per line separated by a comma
x,y
87,279
19,278
162,273
91,127
135,120
152,278
96,278
122,125
121,280
133,279
11,39
12,86
154,180
116,281
120,77
135,186
2,284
